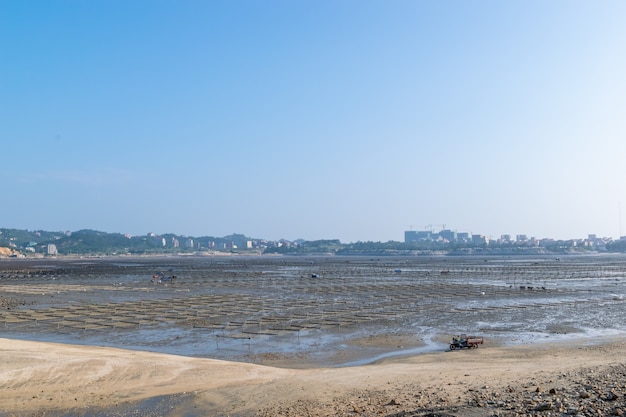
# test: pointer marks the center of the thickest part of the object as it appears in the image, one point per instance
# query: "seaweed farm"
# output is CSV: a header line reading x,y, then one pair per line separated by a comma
x,y
310,308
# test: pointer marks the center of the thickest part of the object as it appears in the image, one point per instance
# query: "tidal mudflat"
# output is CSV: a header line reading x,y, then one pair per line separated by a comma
x,y
310,311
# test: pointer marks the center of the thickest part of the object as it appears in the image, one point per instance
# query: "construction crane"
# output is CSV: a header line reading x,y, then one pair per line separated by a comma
x,y
430,227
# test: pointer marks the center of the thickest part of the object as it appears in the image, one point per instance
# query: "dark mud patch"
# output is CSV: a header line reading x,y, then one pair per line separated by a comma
x,y
178,405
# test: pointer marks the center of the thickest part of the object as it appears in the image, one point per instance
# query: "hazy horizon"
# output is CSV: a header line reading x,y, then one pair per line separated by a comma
x,y
243,233
351,120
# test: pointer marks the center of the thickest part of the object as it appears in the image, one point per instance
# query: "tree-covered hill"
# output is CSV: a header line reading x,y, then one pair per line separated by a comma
x,y
93,242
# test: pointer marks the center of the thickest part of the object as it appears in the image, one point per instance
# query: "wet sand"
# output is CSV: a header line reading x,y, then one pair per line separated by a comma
x,y
56,379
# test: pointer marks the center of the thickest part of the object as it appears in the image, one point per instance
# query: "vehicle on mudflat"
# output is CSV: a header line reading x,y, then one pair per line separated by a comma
x,y
465,341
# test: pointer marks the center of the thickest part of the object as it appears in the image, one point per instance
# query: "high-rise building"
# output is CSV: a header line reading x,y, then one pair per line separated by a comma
x,y
414,236
448,235
480,239
410,236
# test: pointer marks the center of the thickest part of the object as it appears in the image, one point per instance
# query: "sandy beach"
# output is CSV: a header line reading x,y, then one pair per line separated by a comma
x,y
57,379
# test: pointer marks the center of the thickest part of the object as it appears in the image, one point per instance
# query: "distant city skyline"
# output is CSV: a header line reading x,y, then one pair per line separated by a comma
x,y
446,228
348,120
432,234
452,236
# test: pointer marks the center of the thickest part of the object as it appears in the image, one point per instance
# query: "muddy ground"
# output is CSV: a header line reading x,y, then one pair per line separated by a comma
x,y
309,311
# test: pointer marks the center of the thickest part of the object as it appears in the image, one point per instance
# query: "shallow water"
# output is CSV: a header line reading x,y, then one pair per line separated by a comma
x,y
306,308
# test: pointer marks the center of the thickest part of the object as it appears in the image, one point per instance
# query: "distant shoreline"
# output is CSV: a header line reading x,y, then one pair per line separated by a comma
x,y
311,255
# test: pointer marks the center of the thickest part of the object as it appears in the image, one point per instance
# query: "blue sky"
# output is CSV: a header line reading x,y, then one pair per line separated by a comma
x,y
353,120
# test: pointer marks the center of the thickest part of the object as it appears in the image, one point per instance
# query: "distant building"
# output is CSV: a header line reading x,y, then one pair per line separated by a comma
x,y
547,242
463,237
52,249
448,235
415,236
410,236
480,240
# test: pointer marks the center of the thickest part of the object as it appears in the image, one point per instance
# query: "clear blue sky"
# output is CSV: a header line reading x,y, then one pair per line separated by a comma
x,y
346,119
